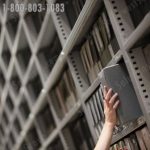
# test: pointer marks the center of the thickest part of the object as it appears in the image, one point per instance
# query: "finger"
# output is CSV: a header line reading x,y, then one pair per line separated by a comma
x,y
116,104
105,91
112,100
106,104
108,95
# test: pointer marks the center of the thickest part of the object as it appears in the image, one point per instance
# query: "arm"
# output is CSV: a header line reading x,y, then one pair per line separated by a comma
x,y
110,106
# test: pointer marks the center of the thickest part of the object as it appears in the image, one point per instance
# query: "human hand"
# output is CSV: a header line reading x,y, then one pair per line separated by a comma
x,y
110,105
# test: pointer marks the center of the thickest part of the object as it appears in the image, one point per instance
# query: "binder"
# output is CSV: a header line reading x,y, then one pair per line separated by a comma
x,y
117,78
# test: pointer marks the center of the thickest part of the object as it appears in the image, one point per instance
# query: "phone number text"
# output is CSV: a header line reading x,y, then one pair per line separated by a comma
x,y
35,7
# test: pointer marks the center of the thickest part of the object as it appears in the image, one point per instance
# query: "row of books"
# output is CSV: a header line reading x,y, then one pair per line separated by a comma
x,y
95,110
136,141
73,9
146,53
64,93
97,50
77,134
138,9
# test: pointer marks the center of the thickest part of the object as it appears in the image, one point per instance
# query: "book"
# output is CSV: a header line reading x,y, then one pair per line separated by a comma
x,y
89,54
95,55
146,136
88,107
131,142
128,143
116,147
83,59
117,78
146,54
88,68
134,141
86,58
106,22
60,96
121,145
100,107
105,57
68,138
102,29
92,72
64,93
93,112
56,103
98,123
98,38
70,99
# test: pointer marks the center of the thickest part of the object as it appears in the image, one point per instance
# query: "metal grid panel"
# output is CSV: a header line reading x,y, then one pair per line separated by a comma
x,y
22,73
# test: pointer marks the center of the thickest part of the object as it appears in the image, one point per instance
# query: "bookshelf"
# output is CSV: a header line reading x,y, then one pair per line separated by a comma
x,y
59,57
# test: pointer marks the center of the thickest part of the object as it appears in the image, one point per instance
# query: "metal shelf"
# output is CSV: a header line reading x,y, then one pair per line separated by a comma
x,y
126,35
131,128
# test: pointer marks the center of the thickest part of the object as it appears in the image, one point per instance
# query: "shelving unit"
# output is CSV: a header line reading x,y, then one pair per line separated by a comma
x,y
41,56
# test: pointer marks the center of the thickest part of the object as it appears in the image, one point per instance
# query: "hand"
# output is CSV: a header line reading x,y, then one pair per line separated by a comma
x,y
110,105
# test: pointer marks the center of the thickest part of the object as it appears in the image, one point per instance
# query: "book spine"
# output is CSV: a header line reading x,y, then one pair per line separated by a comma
x,y
146,137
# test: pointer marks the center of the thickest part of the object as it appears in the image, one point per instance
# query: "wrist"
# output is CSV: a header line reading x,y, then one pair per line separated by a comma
x,y
109,125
